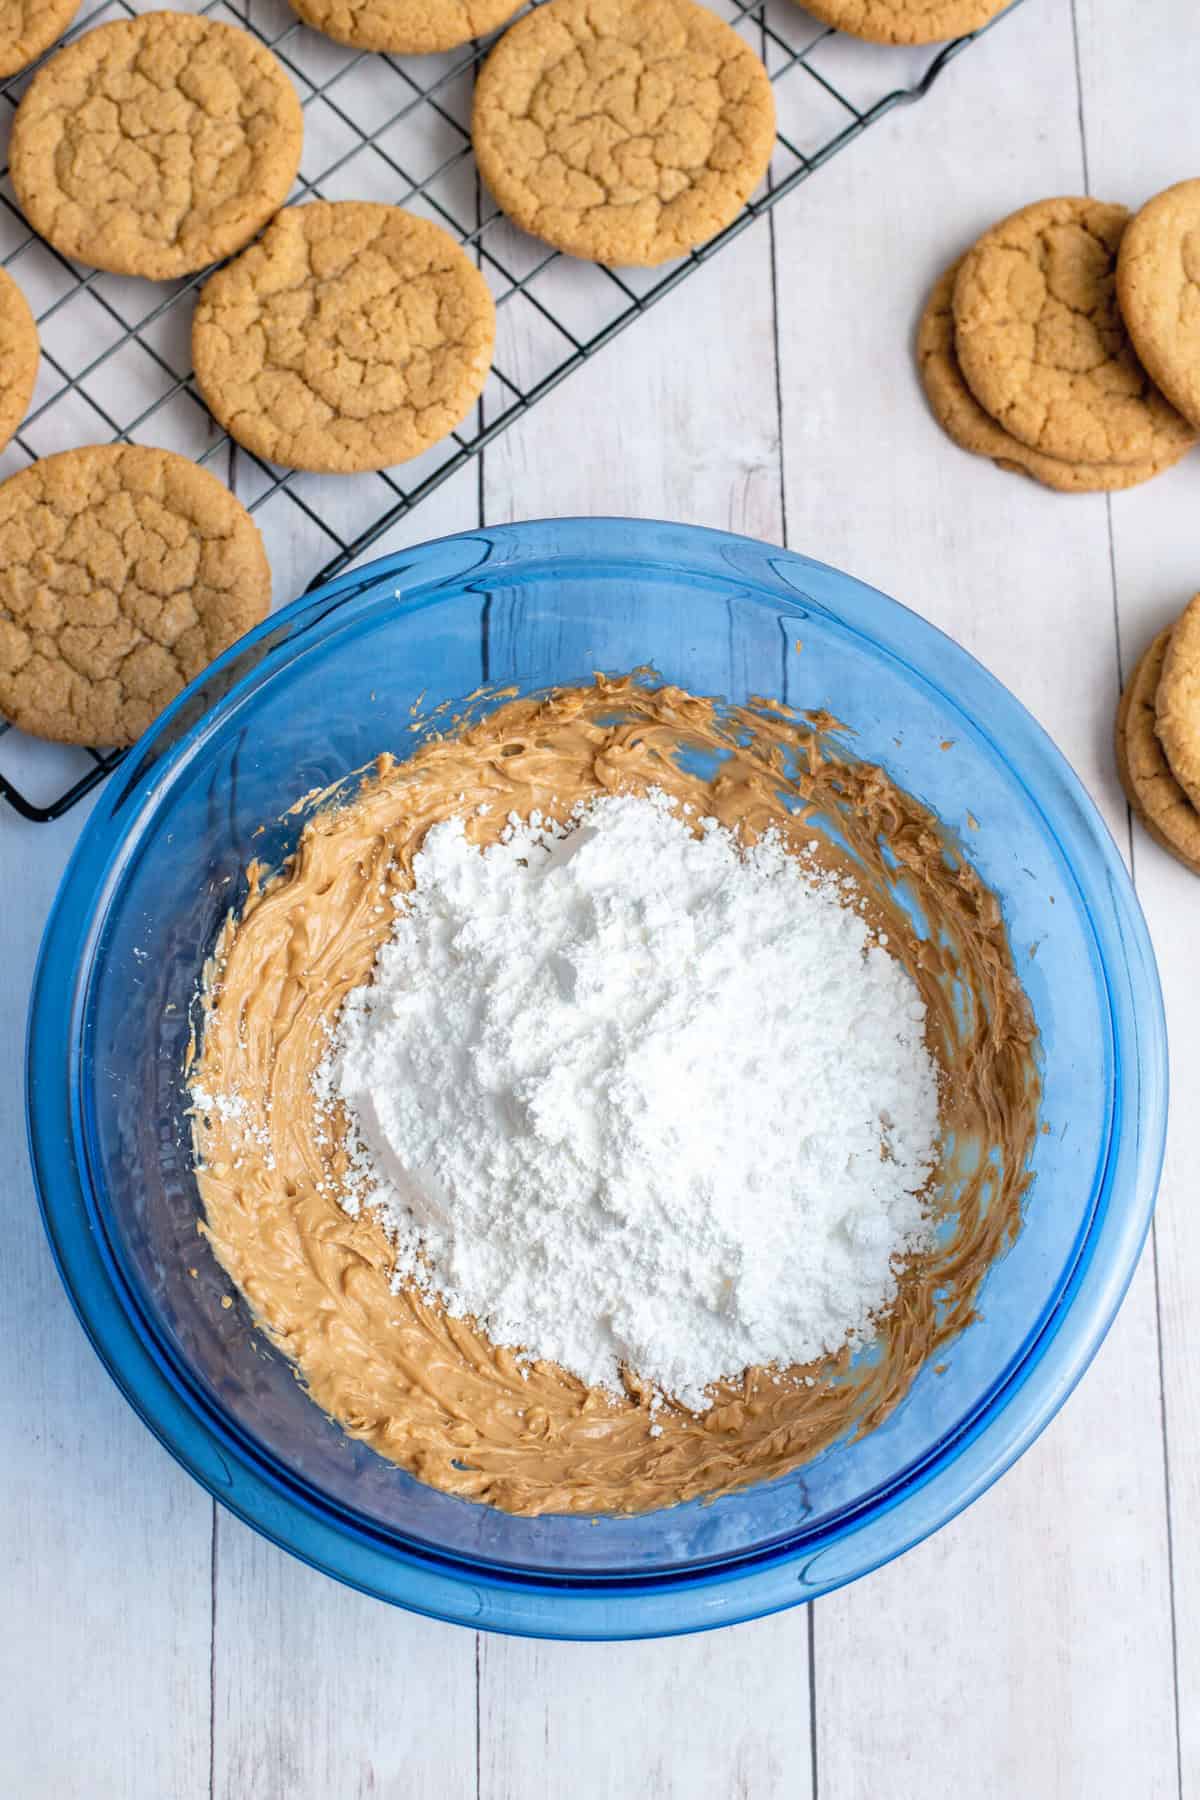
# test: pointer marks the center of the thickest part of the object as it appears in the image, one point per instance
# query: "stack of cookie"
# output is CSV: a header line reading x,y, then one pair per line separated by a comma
x,y
1158,738
1066,344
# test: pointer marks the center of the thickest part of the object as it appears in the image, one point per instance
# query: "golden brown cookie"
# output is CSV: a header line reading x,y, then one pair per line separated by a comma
x,y
407,27
19,354
962,418
1158,286
1177,702
1151,789
153,146
27,27
123,572
623,131
352,337
905,21
1041,343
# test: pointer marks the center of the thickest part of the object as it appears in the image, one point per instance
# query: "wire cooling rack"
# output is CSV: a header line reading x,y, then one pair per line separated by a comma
x,y
116,359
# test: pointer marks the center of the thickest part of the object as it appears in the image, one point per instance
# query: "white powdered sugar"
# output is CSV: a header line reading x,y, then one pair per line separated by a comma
x,y
630,1095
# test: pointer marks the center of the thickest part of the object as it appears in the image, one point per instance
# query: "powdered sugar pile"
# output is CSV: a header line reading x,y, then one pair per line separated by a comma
x,y
626,1094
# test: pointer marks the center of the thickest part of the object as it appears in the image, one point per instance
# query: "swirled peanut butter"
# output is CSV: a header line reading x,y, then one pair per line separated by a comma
x,y
432,1392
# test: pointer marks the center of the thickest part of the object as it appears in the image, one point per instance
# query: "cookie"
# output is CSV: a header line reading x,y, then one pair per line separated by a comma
x,y
123,572
353,336
406,27
1177,704
1158,286
154,146
905,21
962,418
1041,343
19,354
1150,787
623,131
27,27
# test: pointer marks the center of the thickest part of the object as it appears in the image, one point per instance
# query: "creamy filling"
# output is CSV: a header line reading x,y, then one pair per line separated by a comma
x,y
433,1391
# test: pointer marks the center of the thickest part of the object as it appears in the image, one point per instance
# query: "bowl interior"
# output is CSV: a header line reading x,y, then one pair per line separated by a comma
x,y
308,701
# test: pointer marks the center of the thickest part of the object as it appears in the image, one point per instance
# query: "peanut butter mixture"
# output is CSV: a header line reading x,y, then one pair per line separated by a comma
x,y
432,1392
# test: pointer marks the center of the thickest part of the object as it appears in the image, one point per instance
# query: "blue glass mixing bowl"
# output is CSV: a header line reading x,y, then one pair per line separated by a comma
x,y
320,689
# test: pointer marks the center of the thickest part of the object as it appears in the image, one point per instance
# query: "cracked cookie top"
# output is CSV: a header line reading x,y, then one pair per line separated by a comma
x,y
19,353
352,337
1158,285
962,418
123,571
27,27
1042,345
905,21
623,131
156,145
407,27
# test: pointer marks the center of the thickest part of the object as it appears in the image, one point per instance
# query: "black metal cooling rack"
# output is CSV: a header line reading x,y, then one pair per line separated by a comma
x,y
115,351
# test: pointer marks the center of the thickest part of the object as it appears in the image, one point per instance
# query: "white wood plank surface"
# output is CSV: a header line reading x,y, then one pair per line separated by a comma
x,y
321,1691
721,1716
1034,1649
1133,79
1037,1628
104,1647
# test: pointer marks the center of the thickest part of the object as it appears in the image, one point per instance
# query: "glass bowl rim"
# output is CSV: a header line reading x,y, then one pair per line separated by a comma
x,y
487,1595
